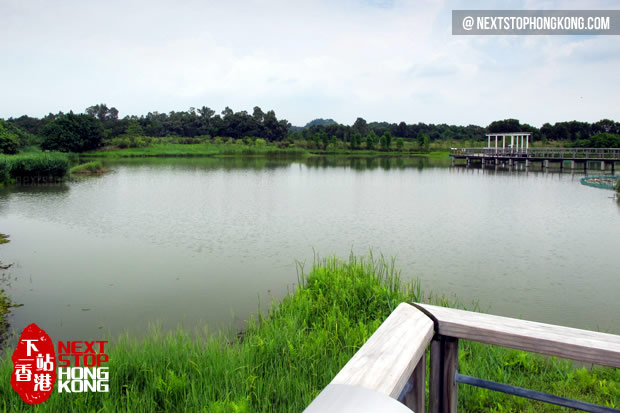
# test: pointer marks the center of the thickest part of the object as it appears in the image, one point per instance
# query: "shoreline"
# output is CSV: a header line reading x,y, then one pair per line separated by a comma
x,y
172,150
289,354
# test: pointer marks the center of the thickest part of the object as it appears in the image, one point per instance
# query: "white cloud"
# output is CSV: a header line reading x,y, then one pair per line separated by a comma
x,y
386,60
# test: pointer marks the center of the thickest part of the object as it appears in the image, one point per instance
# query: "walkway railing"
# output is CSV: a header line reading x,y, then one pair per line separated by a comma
x,y
542,153
393,360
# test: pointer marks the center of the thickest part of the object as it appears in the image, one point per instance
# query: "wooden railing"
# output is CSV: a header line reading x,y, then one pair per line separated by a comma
x,y
393,360
547,153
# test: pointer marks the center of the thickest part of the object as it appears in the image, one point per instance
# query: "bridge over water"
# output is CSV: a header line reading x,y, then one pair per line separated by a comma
x,y
512,156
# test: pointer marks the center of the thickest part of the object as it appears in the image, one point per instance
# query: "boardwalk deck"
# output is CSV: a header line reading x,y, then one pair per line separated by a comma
x,y
510,156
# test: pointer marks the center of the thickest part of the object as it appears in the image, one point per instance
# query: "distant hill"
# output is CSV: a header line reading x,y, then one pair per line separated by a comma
x,y
321,122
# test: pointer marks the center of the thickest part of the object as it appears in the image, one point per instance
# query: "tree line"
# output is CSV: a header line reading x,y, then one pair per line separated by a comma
x,y
100,123
191,123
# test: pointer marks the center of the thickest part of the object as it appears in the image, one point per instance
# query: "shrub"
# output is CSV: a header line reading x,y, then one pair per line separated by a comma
x,y
260,143
24,138
140,142
188,141
121,142
601,140
9,141
125,141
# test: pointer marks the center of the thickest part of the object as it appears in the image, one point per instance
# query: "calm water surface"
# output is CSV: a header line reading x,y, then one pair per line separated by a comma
x,y
202,241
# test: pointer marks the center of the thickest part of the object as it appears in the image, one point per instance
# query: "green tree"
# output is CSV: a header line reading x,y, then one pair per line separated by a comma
x,y
400,143
356,140
9,141
388,138
422,140
371,140
72,133
102,112
360,126
324,138
383,142
134,128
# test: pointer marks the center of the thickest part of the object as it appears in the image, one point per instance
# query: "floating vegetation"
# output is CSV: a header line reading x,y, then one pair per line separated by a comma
x,y
604,182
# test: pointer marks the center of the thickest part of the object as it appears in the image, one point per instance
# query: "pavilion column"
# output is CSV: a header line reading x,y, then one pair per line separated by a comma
x,y
503,142
495,143
527,142
489,144
512,144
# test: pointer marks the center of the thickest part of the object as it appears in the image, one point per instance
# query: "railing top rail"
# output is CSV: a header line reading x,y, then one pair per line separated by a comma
x,y
385,362
538,150
565,342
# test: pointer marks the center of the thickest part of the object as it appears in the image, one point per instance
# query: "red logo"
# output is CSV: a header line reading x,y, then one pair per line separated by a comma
x,y
34,365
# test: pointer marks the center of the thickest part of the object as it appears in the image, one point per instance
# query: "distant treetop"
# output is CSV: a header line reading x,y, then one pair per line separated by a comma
x,y
320,122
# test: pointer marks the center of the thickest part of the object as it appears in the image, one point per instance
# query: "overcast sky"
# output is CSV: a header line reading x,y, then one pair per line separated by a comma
x,y
382,60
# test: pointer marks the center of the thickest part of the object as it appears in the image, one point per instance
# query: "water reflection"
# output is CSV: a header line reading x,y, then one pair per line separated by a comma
x,y
205,163
371,163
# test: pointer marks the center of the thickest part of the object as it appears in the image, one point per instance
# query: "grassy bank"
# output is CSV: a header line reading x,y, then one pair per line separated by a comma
x,y
283,360
33,167
199,149
88,168
207,149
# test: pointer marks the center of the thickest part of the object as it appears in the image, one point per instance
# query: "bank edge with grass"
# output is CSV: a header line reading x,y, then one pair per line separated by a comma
x,y
35,167
286,357
88,168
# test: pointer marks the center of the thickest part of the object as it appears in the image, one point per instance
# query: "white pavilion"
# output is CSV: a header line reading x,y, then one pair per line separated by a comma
x,y
519,141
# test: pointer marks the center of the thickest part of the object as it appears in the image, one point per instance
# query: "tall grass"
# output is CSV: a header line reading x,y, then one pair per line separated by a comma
x,y
285,358
34,167
5,170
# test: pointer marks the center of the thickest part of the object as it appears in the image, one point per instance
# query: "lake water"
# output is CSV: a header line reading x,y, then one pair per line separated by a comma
x,y
197,242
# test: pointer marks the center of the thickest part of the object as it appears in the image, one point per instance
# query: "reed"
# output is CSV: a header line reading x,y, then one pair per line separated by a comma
x,y
34,167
